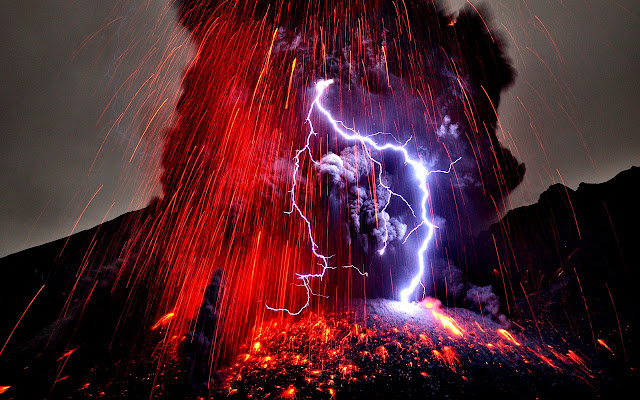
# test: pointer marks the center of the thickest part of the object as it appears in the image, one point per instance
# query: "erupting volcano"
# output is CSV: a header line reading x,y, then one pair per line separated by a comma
x,y
419,89
330,227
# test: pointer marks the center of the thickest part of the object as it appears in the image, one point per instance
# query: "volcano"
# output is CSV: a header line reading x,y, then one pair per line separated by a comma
x,y
566,333
327,229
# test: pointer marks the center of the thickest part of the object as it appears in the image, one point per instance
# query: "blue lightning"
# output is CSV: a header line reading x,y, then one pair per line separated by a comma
x,y
349,134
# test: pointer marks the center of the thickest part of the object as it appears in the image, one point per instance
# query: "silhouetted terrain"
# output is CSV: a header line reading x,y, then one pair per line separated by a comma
x,y
567,264
594,229
571,251
76,308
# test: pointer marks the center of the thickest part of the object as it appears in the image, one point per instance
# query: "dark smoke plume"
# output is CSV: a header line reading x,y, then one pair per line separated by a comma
x,y
406,70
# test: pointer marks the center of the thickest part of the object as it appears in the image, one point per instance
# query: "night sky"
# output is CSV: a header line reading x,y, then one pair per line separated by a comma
x,y
87,88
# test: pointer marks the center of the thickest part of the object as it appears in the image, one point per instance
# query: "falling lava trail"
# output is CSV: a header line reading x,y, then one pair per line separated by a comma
x,y
415,351
421,350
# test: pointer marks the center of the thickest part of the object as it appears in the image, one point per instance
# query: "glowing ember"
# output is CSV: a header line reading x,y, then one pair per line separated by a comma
x,y
67,354
448,323
257,346
163,321
508,336
430,303
289,393
577,359
299,350
450,357
382,352
603,344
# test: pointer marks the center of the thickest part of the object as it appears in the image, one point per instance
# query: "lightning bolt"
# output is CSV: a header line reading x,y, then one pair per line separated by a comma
x,y
349,134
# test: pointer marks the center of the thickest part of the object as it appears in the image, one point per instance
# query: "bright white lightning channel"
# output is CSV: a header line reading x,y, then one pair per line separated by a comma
x,y
349,134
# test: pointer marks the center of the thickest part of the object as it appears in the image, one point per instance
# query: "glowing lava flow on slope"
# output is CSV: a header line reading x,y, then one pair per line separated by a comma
x,y
350,134
388,353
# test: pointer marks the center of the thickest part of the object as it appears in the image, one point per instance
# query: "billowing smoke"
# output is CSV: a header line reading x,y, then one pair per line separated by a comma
x,y
367,216
454,290
406,72
374,204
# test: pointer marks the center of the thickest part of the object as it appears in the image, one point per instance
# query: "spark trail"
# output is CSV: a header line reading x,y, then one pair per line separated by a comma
x,y
350,134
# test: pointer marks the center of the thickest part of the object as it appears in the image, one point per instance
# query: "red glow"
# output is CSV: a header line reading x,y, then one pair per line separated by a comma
x,y
289,393
447,356
67,354
242,114
508,336
603,344
163,321
382,353
448,323
430,303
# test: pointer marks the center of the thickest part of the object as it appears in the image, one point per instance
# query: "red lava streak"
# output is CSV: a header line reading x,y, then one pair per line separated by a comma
x,y
350,354
163,321
245,109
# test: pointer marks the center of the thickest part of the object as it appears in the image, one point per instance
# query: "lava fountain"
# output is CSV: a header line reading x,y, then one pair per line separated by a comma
x,y
413,90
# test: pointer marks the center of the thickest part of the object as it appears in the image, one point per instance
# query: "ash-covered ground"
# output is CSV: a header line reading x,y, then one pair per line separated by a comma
x,y
571,330
400,351
384,349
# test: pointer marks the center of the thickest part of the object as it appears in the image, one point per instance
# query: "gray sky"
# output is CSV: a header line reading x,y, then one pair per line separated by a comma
x,y
573,114
77,74
64,65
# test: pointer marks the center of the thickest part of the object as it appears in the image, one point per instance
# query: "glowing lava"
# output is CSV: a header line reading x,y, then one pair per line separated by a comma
x,y
448,323
163,321
298,359
508,336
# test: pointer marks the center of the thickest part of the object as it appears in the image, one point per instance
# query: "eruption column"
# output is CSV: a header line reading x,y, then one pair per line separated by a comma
x,y
349,134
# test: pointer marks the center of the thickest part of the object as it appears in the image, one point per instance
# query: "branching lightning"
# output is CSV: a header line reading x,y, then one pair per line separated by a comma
x,y
350,134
